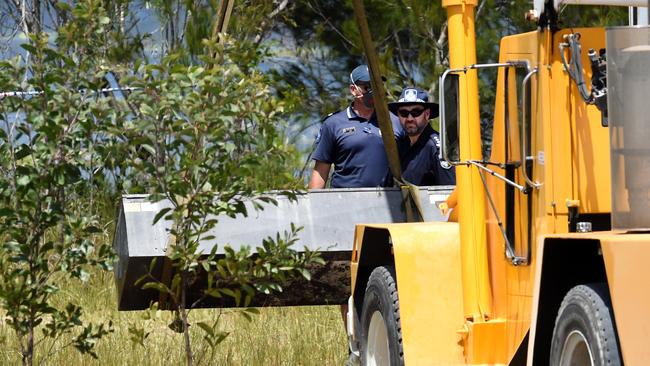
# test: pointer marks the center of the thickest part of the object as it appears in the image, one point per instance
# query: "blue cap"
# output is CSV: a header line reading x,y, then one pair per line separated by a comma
x,y
360,73
412,96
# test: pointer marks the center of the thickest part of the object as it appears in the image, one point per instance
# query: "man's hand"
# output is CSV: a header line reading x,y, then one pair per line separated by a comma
x,y
444,208
319,175
450,203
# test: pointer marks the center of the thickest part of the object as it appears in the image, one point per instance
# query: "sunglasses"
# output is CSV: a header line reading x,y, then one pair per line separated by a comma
x,y
363,88
413,112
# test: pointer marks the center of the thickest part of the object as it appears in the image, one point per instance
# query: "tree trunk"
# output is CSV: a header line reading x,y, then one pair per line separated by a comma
x,y
189,356
28,352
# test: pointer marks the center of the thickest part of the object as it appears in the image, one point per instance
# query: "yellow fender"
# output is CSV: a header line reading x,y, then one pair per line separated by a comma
x,y
426,257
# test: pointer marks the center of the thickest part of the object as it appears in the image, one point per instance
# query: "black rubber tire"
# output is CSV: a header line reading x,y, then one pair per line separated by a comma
x,y
584,326
381,296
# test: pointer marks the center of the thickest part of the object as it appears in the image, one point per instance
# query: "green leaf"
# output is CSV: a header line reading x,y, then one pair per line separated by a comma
x,y
176,283
91,229
214,249
160,214
221,336
23,180
28,47
47,246
63,6
146,109
156,286
137,334
227,291
6,211
305,273
177,325
150,149
23,151
214,293
152,264
205,265
206,328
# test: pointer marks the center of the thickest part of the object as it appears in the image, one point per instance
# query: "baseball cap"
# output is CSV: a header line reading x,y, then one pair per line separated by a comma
x,y
360,73
412,96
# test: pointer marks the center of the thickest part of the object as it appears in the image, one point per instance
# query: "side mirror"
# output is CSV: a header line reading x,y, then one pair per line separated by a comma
x,y
449,111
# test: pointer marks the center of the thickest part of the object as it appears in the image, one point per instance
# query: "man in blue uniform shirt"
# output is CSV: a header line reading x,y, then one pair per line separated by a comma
x,y
420,154
351,140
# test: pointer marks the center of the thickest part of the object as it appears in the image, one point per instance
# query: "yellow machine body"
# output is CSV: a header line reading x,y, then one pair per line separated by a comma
x,y
618,258
428,273
462,299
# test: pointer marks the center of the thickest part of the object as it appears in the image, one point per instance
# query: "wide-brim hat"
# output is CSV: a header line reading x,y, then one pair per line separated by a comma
x,y
411,96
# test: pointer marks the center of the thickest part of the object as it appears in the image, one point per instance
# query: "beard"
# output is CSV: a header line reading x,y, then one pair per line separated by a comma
x,y
368,100
413,129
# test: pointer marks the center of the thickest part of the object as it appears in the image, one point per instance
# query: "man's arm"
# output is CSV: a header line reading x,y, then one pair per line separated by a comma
x,y
319,175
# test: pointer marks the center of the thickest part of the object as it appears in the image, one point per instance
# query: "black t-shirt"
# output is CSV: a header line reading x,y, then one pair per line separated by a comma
x,y
422,162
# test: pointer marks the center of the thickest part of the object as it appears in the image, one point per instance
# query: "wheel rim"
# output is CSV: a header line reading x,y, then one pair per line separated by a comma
x,y
576,351
377,352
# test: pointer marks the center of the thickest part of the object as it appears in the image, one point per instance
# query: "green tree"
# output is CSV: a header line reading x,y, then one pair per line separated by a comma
x,y
48,234
208,139
411,38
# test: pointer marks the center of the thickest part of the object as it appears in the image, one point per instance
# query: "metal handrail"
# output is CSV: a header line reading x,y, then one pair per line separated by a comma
x,y
510,252
441,107
479,165
524,158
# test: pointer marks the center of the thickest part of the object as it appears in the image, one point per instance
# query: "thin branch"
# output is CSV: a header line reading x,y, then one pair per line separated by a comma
x,y
23,17
328,22
480,9
265,23
400,57
440,45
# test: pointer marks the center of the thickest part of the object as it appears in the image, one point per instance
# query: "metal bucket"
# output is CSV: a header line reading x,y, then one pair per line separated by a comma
x,y
328,217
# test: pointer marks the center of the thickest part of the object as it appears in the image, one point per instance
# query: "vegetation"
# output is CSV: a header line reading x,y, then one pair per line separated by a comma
x,y
205,137
47,165
277,336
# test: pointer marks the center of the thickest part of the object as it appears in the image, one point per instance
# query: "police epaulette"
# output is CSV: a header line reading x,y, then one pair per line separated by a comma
x,y
435,137
328,116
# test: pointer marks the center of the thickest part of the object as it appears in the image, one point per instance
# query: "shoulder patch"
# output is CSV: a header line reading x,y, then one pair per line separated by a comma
x,y
318,136
436,139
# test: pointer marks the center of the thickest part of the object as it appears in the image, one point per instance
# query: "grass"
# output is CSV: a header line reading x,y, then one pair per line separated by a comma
x,y
277,336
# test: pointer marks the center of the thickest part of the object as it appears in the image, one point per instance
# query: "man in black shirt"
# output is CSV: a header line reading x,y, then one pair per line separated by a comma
x,y
420,154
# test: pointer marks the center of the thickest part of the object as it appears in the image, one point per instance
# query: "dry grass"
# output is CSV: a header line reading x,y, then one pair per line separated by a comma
x,y
277,336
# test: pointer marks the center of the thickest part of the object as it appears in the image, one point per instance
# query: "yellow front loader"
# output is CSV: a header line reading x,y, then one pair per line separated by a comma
x,y
549,260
